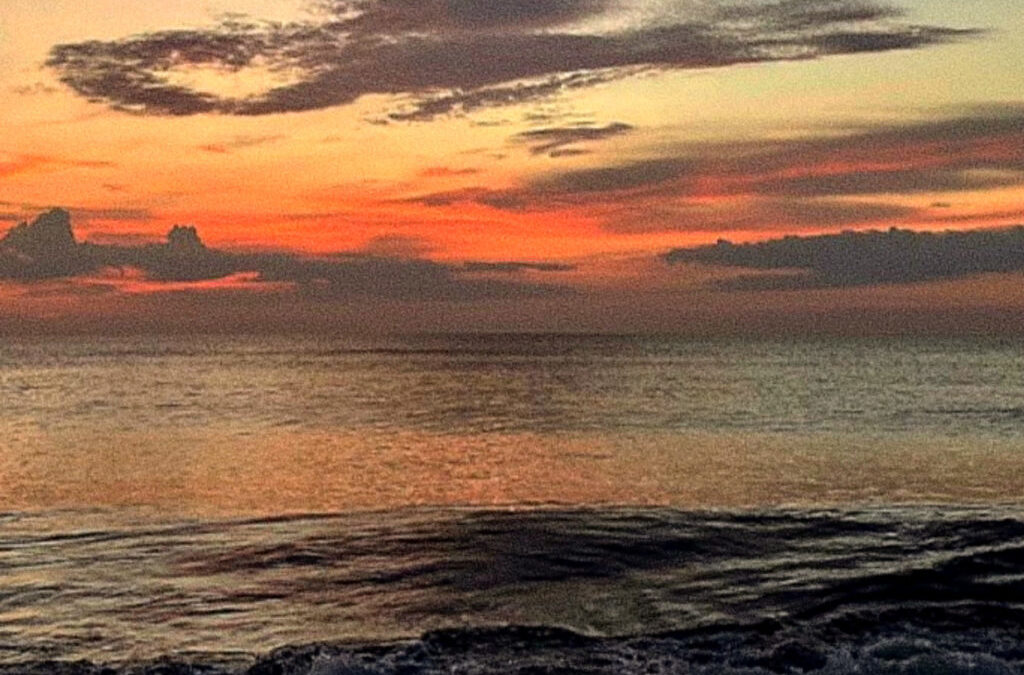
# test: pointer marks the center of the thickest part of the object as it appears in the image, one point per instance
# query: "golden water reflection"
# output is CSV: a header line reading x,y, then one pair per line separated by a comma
x,y
210,474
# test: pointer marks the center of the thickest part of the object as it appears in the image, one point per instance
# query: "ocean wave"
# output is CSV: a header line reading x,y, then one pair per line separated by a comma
x,y
766,648
914,589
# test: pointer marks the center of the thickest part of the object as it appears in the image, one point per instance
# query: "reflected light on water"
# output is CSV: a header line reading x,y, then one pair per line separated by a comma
x,y
226,475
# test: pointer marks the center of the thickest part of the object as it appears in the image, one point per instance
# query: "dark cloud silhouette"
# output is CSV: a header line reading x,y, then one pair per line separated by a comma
x,y
46,249
427,107
888,181
556,141
862,258
388,16
461,55
568,152
806,14
515,266
509,200
397,246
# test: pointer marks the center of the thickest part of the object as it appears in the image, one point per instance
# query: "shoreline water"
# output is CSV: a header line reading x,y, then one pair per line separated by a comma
x,y
585,590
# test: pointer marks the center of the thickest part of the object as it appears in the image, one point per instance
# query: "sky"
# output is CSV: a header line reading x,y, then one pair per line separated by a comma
x,y
499,165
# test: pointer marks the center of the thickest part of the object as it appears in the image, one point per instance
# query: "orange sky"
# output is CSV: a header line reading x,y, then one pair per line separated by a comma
x,y
594,135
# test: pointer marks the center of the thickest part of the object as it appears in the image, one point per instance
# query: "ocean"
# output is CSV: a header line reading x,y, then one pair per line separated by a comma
x,y
511,504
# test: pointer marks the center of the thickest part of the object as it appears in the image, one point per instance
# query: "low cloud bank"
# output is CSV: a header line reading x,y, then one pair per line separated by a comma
x,y
862,258
46,249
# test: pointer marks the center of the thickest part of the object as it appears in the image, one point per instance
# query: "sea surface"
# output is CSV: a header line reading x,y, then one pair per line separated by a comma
x,y
511,504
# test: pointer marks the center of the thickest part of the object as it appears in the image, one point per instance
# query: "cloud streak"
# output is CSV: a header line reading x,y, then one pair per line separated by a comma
x,y
516,267
861,258
838,180
461,55
559,141
240,143
20,164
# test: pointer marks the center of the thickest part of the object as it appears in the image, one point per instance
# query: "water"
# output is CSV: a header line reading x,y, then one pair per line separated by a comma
x,y
645,504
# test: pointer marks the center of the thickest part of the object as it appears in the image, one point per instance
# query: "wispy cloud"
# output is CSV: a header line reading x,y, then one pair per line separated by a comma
x,y
559,141
516,267
447,172
460,55
20,211
828,181
12,165
862,258
240,143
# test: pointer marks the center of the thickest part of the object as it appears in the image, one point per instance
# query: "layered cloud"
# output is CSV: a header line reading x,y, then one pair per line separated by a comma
x,y
515,267
19,164
240,143
862,258
564,141
46,249
826,181
459,55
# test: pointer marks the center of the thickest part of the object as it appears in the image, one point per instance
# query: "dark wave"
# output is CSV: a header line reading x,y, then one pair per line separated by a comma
x,y
544,590
534,650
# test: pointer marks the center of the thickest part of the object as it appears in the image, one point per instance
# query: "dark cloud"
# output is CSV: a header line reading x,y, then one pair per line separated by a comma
x,y
640,174
461,55
46,249
889,181
426,107
568,152
807,14
862,258
397,246
557,141
509,200
515,266
390,16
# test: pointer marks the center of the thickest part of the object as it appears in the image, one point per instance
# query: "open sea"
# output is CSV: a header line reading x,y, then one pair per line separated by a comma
x,y
510,504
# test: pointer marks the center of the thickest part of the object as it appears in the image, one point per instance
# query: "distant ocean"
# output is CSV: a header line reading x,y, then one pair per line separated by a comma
x,y
511,504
